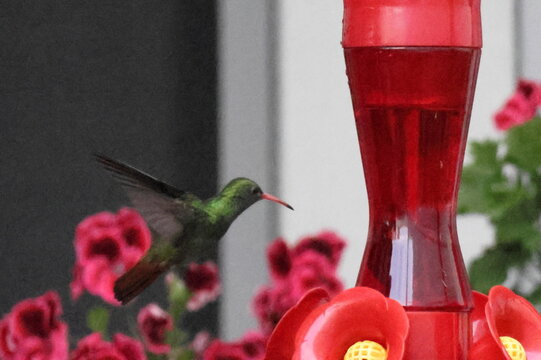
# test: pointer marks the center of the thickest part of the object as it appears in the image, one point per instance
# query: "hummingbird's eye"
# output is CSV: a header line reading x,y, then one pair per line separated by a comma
x,y
257,191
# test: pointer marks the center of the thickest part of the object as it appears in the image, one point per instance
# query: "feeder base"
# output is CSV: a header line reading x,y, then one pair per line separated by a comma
x,y
438,335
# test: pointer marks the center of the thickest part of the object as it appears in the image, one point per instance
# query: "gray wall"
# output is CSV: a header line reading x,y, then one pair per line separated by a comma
x,y
133,79
529,39
247,135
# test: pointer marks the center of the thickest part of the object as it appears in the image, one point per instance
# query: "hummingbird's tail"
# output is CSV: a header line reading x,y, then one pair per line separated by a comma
x,y
137,279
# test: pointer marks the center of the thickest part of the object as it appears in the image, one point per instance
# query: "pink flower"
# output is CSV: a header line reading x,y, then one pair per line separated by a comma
x,y
104,243
294,271
203,282
106,246
521,107
134,231
271,303
8,344
93,347
76,286
279,259
220,350
254,344
153,323
129,347
310,270
90,346
531,91
250,347
200,343
32,330
326,243
503,313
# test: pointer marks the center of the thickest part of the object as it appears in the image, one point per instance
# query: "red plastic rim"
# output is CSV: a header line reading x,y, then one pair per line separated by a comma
x,y
412,23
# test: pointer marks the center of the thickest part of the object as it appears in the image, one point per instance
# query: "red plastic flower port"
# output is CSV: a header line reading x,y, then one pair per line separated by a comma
x,y
319,329
505,314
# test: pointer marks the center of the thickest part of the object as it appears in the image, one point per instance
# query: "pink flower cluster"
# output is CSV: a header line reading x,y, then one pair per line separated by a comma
x,y
32,330
106,246
312,263
294,271
520,107
202,282
123,347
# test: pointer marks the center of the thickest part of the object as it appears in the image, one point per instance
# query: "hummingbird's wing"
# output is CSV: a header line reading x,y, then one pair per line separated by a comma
x,y
164,207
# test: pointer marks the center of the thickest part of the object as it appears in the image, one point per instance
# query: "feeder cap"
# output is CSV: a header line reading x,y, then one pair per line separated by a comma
x,y
454,23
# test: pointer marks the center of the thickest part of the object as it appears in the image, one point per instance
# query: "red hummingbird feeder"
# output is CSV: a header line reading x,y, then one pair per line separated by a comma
x,y
412,67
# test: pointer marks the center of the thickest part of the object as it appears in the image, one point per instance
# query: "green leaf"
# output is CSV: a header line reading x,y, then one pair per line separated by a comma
x,y
175,337
502,198
524,145
97,320
512,200
490,194
186,355
486,189
480,177
492,267
488,270
151,356
485,153
522,234
178,296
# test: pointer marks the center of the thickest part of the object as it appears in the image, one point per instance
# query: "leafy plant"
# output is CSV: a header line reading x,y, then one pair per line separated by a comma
x,y
503,182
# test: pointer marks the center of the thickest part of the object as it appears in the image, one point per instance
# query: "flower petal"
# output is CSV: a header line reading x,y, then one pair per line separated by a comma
x,y
153,323
8,344
484,345
327,243
354,315
219,350
281,345
129,347
279,259
30,318
511,315
99,279
203,282
134,230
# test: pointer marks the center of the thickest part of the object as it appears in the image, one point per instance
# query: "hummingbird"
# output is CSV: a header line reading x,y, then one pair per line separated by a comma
x,y
185,225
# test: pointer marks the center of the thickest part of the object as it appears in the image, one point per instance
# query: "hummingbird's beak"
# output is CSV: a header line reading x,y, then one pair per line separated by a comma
x,y
276,200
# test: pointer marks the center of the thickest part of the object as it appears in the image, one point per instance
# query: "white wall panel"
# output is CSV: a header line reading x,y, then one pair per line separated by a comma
x,y
319,162
303,130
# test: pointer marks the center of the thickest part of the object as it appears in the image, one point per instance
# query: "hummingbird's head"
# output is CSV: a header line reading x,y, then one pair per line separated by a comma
x,y
246,192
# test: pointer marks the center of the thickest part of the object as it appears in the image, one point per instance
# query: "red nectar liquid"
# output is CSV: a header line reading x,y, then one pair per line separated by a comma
x,y
412,107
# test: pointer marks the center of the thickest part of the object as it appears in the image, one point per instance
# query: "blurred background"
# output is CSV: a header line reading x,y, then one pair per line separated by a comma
x,y
195,93
135,80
